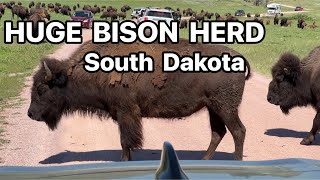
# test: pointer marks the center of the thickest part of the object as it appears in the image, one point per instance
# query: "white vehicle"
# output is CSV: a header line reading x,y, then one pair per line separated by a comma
x,y
274,8
137,12
156,15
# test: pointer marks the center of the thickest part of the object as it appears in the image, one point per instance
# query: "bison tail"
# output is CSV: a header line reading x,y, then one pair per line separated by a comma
x,y
248,70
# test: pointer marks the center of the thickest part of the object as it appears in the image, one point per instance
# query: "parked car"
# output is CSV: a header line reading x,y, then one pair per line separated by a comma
x,y
299,8
86,17
240,13
156,15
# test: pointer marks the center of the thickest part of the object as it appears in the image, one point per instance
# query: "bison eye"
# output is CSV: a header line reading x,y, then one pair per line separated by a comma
x,y
42,89
279,78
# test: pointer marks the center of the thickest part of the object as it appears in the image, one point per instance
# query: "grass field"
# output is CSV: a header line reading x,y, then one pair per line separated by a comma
x,y
18,61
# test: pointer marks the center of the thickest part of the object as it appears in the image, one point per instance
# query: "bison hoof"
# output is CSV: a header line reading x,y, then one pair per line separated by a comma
x,y
307,141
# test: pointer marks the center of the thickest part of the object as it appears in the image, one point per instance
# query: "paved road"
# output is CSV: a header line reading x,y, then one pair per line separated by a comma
x,y
270,134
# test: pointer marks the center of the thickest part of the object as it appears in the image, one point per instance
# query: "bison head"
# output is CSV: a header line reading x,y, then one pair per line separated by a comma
x,y
283,89
47,96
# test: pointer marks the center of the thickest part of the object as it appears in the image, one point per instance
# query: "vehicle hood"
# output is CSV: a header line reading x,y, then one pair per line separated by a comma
x,y
79,18
194,169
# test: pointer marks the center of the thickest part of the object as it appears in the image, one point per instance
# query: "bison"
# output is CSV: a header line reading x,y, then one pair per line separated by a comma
x,y
2,9
297,83
35,18
122,15
301,23
283,21
31,4
20,11
183,24
111,14
276,20
63,87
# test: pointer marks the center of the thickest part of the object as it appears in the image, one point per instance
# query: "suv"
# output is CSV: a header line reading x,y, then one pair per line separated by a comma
x,y
86,17
156,15
240,13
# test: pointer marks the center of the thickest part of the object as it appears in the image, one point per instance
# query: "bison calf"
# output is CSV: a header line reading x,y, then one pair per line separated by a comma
x,y
297,83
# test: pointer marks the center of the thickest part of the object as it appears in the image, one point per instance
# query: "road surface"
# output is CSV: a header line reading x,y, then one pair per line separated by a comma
x,y
270,134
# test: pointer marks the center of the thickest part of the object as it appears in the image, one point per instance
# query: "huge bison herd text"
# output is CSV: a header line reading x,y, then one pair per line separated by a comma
x,y
62,87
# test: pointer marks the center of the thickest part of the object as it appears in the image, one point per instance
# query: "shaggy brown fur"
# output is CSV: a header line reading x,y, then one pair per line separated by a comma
x,y
43,12
313,25
276,20
112,14
21,11
297,83
283,21
122,15
35,18
183,94
2,9
300,22
183,24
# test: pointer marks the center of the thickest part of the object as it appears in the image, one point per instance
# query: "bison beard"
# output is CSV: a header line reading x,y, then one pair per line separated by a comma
x,y
63,87
296,83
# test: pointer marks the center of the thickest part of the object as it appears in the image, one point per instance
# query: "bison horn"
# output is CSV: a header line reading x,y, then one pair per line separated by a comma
x,y
286,70
48,76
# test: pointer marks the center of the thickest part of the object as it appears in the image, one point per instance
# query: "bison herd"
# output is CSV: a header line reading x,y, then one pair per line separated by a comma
x,y
25,13
285,22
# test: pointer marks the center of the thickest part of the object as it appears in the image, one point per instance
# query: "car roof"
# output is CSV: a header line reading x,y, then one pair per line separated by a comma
x,y
160,10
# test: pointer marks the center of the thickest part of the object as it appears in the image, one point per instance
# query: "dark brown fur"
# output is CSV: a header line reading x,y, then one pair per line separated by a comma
x,y
35,18
283,21
182,95
276,20
21,11
183,24
297,83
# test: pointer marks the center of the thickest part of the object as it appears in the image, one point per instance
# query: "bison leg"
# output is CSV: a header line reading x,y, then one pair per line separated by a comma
x,y
237,129
315,127
130,128
218,131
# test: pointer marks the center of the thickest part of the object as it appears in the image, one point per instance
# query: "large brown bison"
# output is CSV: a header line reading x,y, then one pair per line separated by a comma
x,y
44,12
113,15
63,87
20,11
183,24
300,23
125,8
35,18
2,8
283,21
297,83
276,20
